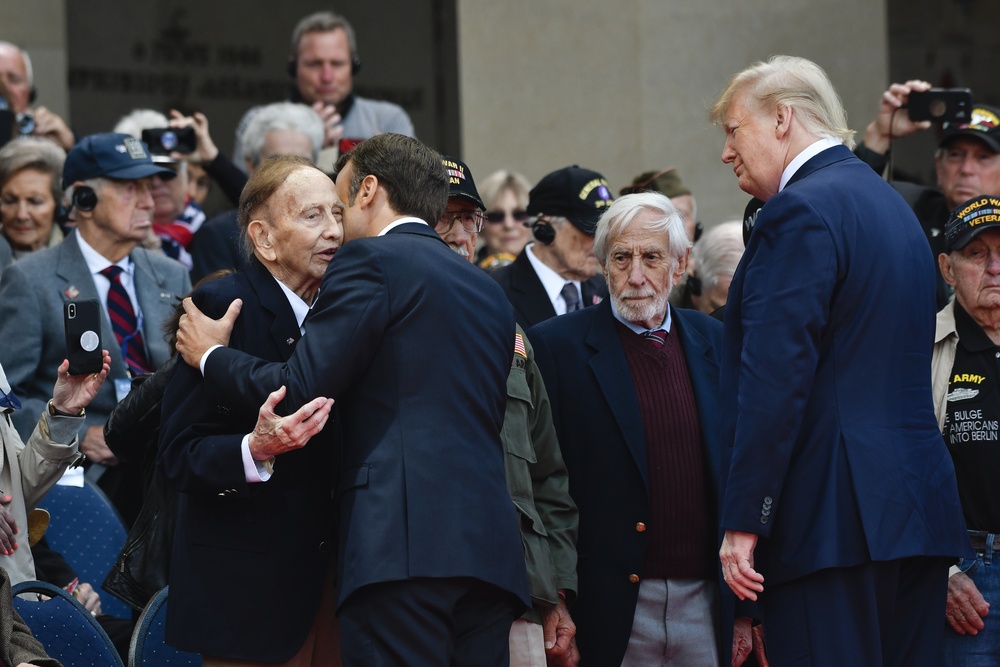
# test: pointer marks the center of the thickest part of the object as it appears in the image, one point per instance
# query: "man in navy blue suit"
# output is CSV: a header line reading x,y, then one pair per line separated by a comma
x,y
634,388
840,493
415,344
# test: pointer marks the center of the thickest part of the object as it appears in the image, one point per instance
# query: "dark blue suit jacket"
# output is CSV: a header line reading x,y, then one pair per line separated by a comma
x,y
243,548
596,415
415,344
826,399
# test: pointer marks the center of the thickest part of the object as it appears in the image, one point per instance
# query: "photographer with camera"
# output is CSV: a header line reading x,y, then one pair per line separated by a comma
x,y
967,160
16,74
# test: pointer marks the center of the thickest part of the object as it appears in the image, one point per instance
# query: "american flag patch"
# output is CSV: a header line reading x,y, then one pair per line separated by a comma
x,y
519,346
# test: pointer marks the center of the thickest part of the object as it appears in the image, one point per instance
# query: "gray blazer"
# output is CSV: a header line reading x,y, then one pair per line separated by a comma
x,y
32,338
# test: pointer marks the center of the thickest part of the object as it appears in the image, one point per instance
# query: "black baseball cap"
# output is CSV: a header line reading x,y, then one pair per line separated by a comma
x,y
984,124
577,194
969,219
460,181
113,155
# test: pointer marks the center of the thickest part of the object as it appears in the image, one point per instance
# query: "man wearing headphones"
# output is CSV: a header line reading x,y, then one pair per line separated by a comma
x,y
559,273
109,179
323,61
17,77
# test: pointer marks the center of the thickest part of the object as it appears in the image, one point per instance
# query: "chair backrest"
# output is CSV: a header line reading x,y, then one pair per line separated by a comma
x,y
87,530
149,647
64,626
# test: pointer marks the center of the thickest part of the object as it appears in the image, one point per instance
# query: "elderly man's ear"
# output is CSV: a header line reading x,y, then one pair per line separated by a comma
x,y
944,263
260,236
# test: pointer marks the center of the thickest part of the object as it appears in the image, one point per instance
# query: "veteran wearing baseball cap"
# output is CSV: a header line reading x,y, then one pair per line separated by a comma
x,y
108,179
966,385
559,273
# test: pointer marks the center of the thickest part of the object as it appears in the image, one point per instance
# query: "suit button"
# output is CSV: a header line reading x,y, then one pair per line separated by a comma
x,y
766,512
634,578
324,547
768,500
763,519
640,527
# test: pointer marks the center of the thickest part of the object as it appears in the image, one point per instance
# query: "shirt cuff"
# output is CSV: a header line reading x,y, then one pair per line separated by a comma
x,y
63,430
255,471
204,359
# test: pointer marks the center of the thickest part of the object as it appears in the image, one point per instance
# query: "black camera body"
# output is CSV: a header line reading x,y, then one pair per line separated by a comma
x,y
941,105
167,140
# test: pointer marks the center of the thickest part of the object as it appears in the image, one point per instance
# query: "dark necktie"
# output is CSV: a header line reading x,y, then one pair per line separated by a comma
x,y
571,296
124,323
657,337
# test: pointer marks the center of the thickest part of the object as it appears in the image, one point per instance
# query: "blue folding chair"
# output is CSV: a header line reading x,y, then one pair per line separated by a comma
x,y
87,530
64,626
149,647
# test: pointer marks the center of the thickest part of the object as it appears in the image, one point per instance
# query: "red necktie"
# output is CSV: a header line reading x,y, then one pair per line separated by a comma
x,y
657,337
124,323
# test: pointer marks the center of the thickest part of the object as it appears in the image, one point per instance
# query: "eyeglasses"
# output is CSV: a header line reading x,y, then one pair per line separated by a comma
x,y
494,217
472,221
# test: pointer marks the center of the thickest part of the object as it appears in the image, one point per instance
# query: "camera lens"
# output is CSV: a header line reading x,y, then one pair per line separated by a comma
x,y
26,123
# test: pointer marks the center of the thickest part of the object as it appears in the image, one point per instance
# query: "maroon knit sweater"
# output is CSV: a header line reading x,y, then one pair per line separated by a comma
x,y
680,536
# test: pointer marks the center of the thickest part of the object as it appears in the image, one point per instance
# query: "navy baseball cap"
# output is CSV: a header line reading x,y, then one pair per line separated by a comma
x,y
577,194
969,219
984,125
112,155
460,181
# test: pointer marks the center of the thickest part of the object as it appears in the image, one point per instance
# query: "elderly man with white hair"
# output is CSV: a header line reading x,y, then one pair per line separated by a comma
x,y
634,387
282,128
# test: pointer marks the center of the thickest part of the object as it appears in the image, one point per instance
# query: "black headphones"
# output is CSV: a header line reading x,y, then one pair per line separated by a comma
x,y
84,198
293,66
543,230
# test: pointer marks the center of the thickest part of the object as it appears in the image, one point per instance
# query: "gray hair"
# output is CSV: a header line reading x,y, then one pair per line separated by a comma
x,y
617,217
281,116
322,22
33,153
28,71
794,82
718,253
137,120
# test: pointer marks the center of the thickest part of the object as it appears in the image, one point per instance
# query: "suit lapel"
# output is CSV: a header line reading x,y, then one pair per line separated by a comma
x,y
75,283
532,300
610,368
273,301
156,302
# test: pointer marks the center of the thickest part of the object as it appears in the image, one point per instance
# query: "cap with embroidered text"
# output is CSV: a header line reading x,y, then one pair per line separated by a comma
x,y
112,155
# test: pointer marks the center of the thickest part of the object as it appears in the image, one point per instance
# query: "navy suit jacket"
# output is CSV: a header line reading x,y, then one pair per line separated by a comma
x,y
415,344
597,418
240,548
826,397
526,293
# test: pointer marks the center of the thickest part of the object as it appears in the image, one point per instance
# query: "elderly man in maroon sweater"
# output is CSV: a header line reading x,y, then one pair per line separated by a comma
x,y
633,384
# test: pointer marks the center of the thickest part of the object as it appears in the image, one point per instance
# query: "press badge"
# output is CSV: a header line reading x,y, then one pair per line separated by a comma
x,y
122,388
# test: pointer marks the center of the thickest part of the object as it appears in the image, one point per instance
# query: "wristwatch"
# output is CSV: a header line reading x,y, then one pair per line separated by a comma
x,y
58,413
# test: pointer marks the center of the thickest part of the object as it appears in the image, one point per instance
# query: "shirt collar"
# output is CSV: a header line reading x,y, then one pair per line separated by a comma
x,y
970,335
551,281
96,262
808,152
635,328
397,223
299,307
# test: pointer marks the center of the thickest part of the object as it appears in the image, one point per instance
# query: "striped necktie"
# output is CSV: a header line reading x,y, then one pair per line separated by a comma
x,y
571,297
124,323
657,338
